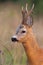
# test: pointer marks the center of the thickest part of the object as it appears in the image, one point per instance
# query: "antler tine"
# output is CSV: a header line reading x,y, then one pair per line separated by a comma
x,y
31,9
22,8
26,7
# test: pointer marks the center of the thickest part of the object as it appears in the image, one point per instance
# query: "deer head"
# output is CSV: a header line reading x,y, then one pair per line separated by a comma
x,y
24,30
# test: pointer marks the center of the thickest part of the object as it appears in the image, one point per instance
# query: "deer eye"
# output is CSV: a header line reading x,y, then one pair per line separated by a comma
x,y
23,31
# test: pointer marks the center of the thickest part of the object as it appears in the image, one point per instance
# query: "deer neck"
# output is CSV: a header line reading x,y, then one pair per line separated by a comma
x,y
31,48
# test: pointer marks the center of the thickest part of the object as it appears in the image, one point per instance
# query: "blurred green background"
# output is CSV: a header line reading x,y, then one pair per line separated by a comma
x,y
38,4
10,18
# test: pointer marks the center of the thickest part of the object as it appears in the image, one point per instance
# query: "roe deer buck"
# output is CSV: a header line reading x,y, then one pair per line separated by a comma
x,y
24,34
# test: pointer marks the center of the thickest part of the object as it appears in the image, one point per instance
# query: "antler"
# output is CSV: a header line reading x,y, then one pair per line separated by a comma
x,y
26,7
31,10
22,9
25,10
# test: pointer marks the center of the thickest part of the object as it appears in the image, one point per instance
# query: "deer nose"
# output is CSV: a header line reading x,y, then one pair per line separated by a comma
x,y
14,39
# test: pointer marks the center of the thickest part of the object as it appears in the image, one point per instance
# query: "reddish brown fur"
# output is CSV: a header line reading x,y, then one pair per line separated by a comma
x,y
33,52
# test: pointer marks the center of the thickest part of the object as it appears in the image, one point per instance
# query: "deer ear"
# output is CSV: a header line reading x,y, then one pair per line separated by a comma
x,y
29,21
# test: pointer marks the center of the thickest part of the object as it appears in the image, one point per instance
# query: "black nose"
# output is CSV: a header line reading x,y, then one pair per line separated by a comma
x,y
14,39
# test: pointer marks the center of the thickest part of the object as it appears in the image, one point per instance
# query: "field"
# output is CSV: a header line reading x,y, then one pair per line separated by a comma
x,y
10,18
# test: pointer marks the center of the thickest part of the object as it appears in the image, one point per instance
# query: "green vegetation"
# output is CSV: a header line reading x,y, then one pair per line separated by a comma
x,y
8,57
2,0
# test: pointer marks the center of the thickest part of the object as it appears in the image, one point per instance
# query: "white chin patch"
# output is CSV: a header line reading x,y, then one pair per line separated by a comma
x,y
24,29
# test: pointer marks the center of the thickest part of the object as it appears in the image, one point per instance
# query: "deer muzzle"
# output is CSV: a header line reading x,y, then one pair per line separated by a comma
x,y
14,39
